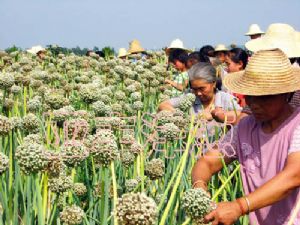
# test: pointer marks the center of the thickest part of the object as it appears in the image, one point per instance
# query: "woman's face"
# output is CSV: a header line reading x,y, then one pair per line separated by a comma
x,y
179,65
203,90
268,107
232,66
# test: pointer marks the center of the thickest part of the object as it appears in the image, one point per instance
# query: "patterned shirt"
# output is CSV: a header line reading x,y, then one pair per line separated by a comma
x,y
180,78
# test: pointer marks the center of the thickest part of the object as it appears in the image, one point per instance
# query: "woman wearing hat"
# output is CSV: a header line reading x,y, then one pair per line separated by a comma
x,y
254,32
267,144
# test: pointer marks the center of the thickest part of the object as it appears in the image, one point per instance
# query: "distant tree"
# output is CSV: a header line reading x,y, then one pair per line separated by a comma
x,y
108,52
95,49
13,49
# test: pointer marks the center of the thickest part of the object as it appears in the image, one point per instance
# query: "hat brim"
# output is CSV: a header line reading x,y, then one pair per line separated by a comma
x,y
168,50
292,51
221,50
255,33
237,83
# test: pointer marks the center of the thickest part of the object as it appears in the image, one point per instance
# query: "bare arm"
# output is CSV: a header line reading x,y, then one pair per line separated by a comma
x,y
207,166
166,105
232,117
180,87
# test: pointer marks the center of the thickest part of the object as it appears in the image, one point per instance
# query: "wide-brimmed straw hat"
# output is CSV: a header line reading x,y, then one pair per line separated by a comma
x,y
135,47
221,48
35,49
269,72
122,52
278,35
253,30
175,44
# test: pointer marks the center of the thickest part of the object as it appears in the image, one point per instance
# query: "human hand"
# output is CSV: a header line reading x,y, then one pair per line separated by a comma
x,y
167,81
226,213
218,114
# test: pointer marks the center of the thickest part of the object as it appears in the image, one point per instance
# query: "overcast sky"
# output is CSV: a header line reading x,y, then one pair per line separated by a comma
x,y
89,23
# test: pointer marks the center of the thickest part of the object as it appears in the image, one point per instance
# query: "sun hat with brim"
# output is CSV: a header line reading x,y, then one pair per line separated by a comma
x,y
221,48
175,44
278,35
35,49
135,47
269,72
3,53
122,52
253,30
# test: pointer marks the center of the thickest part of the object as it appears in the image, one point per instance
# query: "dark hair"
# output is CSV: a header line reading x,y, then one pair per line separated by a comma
x,y
100,53
88,52
237,55
178,54
207,50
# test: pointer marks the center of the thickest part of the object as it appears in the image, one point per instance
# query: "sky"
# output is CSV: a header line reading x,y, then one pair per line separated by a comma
x,y
155,23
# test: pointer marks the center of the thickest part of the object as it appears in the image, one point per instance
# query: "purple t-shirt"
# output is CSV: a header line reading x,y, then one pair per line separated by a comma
x,y
262,156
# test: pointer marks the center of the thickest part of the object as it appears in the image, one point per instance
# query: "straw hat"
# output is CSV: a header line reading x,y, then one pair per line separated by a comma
x,y
122,52
175,44
135,47
254,29
278,35
220,48
3,53
269,72
35,49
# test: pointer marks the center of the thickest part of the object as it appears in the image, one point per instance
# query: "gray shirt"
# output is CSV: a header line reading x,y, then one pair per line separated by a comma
x,y
222,99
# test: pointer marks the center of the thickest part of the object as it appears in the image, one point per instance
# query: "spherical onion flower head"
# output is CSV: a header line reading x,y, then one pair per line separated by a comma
x,y
79,189
4,163
34,104
104,149
101,109
135,148
32,158
164,117
169,131
74,153
120,95
62,114
137,105
136,209
136,96
77,128
15,89
131,184
31,123
7,80
197,204
5,125
187,102
117,107
155,169
55,100
60,183
127,158
89,93
72,215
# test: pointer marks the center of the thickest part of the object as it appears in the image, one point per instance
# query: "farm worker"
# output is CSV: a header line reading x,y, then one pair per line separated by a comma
x,y
221,53
209,99
236,60
178,58
135,48
122,54
254,32
38,50
266,144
